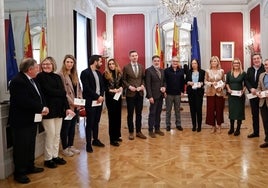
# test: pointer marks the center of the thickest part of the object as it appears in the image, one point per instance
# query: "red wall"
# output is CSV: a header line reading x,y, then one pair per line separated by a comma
x,y
129,34
255,27
101,28
227,27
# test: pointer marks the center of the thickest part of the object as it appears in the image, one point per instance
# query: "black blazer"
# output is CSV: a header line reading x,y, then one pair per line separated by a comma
x,y
153,83
250,77
25,101
201,78
89,86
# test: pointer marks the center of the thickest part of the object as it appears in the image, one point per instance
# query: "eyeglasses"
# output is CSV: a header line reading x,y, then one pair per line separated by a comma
x,y
46,64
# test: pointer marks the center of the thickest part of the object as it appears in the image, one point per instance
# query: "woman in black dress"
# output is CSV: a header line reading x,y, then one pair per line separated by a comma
x,y
113,86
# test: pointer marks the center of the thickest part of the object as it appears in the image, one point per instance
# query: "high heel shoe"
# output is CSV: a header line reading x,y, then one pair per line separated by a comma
x,y
213,130
219,128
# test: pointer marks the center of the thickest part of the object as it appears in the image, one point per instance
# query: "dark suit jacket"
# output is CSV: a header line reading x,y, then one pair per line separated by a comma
x,y
201,78
250,77
129,79
25,101
261,87
89,86
153,83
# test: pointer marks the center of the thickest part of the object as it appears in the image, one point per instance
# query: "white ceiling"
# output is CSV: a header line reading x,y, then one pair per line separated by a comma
x,y
127,3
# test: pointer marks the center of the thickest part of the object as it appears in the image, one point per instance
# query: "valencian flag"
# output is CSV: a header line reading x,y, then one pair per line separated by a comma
x,y
175,45
28,51
195,50
43,45
11,62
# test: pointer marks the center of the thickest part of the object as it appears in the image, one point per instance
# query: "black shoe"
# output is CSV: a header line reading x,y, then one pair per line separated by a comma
x,y
34,170
59,161
114,143
231,131
97,143
168,128
50,164
21,179
89,149
179,128
199,129
119,140
252,135
193,129
264,145
236,133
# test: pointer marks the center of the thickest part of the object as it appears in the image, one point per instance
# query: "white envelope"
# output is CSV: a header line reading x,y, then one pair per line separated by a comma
x,y
236,93
251,96
79,102
117,95
69,117
264,94
94,103
37,118
196,85
219,84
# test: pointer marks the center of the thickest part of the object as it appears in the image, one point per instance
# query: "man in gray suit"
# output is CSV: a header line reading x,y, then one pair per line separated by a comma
x,y
155,89
133,82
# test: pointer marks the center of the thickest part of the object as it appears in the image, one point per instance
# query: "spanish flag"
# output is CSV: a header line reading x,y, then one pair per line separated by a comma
x,y
157,41
28,51
175,45
43,45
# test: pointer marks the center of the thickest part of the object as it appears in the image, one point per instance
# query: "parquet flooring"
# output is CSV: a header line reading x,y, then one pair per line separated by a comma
x,y
176,160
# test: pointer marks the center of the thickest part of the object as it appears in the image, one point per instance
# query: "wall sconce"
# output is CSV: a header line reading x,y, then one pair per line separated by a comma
x,y
249,44
106,45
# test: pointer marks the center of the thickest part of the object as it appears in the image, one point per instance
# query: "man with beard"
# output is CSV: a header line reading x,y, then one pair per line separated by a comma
x,y
93,91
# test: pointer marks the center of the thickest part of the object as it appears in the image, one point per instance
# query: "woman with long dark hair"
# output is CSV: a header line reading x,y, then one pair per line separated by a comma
x,y
195,90
113,85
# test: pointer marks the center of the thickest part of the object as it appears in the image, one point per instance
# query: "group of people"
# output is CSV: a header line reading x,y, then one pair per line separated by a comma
x,y
46,97
49,97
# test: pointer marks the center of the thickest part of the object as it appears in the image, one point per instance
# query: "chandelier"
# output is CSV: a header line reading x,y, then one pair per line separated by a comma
x,y
181,10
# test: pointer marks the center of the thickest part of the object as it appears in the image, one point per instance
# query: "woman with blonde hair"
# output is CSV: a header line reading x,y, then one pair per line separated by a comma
x,y
69,77
235,85
112,77
214,81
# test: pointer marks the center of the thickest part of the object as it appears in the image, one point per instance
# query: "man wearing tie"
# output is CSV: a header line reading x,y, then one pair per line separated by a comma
x,y
251,81
133,81
155,90
26,100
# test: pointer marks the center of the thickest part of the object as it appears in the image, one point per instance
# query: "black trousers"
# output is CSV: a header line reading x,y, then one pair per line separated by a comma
x,y
92,126
196,103
68,132
154,114
264,115
134,103
114,108
254,105
23,148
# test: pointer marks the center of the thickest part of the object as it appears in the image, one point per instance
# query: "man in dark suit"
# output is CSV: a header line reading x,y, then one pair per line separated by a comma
x,y
26,101
263,87
133,81
251,81
155,90
93,91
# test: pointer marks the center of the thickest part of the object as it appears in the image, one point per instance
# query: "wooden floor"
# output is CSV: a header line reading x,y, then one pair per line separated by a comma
x,y
178,159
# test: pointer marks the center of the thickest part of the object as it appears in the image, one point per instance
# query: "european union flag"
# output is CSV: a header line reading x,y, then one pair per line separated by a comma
x,y
11,62
195,50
